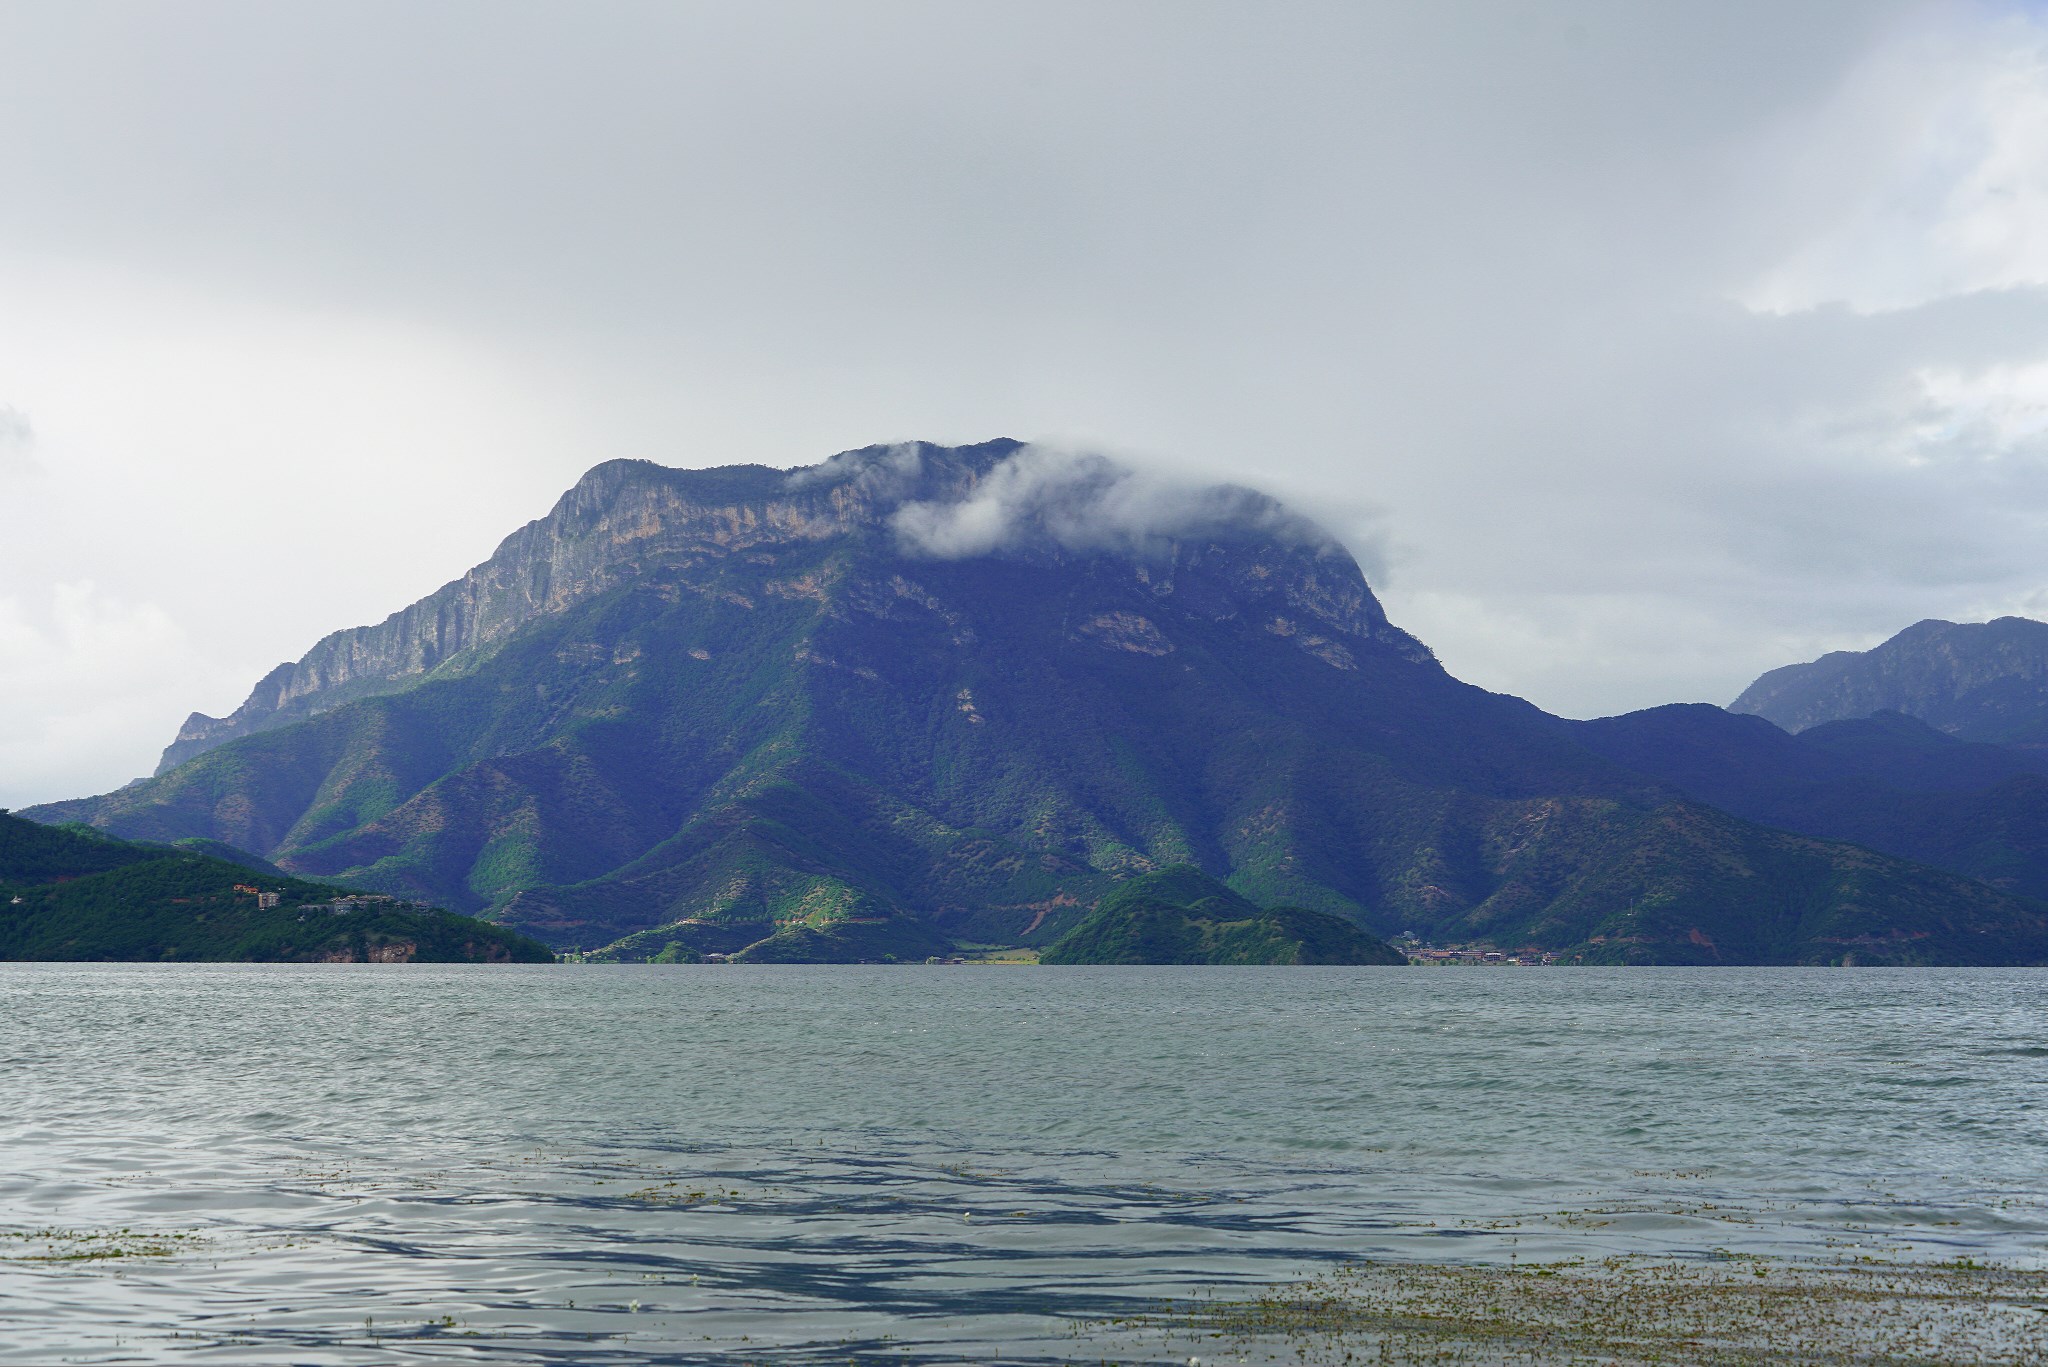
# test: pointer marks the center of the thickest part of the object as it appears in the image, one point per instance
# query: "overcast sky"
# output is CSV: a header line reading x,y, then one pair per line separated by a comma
x,y
1635,348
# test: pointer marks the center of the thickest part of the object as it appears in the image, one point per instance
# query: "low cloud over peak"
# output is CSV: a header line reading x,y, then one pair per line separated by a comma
x,y
1084,501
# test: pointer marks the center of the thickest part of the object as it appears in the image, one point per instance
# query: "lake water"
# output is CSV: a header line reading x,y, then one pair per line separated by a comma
x,y
628,1165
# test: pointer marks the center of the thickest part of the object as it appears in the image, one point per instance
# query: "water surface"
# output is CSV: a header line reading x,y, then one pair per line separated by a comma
x,y
631,1165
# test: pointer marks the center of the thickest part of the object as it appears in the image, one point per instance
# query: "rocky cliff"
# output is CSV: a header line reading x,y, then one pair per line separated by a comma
x,y
627,517
1983,681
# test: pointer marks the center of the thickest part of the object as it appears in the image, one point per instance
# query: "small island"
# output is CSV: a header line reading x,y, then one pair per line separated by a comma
x,y
1180,915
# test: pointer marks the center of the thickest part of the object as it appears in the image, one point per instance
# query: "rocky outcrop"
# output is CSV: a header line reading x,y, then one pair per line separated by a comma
x,y
1216,547
617,520
1978,681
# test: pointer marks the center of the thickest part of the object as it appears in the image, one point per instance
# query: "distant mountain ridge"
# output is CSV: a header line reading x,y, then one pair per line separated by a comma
x,y
1887,782
1983,681
920,695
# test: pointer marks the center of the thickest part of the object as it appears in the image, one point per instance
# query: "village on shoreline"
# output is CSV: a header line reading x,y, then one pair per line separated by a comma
x,y
1436,956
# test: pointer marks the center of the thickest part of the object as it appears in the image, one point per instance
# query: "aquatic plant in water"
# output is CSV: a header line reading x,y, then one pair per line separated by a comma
x,y
1635,1312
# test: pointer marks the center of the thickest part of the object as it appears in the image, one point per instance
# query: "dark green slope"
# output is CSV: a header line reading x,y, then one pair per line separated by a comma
x,y
1687,883
774,723
72,893
1182,916
1888,782
216,849
1906,753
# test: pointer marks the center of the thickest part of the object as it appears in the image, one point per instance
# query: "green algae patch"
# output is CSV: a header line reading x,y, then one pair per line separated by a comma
x,y
679,1194
95,1245
1636,1312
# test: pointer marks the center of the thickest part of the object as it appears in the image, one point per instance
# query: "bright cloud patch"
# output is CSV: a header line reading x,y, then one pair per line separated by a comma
x,y
93,670
1935,160
1085,502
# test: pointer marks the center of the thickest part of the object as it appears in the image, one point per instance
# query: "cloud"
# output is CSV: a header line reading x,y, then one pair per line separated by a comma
x,y
17,443
97,674
885,473
1634,349
1084,501
1930,167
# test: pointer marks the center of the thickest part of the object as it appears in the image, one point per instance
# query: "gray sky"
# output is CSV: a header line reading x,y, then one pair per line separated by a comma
x,y
1635,348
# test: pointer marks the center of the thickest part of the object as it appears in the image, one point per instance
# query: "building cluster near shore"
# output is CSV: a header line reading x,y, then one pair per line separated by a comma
x,y
340,906
1482,955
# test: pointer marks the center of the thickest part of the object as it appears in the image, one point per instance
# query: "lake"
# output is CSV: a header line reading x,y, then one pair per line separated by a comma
x,y
635,1165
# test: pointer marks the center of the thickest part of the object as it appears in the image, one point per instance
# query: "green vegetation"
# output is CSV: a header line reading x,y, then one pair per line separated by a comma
x,y
70,893
830,941
1634,1312
1888,782
841,942
1182,916
733,729
54,1245
30,853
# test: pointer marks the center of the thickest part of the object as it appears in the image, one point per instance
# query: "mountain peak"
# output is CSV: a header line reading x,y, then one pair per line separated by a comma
x,y
625,518
1976,680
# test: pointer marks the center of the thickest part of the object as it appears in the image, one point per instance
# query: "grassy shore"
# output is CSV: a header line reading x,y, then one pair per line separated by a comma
x,y
1733,1311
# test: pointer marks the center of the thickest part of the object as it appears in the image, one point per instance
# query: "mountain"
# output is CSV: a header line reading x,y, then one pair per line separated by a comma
x,y
1888,782
920,696
1981,681
78,894
620,517
1182,916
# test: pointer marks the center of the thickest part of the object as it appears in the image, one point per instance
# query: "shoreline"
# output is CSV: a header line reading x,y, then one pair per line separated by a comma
x,y
1722,1310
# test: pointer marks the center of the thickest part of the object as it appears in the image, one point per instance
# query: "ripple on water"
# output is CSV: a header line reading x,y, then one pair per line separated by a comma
x,y
637,1165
